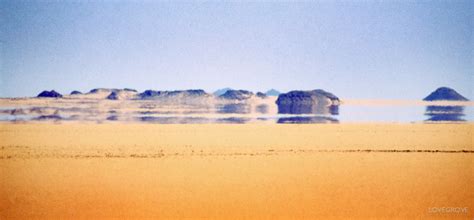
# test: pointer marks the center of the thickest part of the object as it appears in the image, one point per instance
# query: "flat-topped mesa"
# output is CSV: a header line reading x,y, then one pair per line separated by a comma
x,y
307,102
318,97
189,92
129,90
445,94
49,94
179,94
108,90
237,95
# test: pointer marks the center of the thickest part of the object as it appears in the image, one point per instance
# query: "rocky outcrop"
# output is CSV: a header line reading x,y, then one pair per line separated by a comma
x,y
75,92
108,90
261,95
100,90
122,94
49,94
221,91
307,102
190,93
237,95
130,90
317,96
113,96
446,94
148,94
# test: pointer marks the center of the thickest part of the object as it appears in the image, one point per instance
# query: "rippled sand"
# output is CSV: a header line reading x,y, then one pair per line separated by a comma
x,y
235,171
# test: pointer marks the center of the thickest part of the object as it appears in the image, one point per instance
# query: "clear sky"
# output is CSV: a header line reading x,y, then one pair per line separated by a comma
x,y
355,49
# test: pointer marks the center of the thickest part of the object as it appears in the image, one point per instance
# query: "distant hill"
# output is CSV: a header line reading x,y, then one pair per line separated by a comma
x,y
220,92
445,93
49,94
75,92
272,92
307,102
190,93
237,94
103,90
261,95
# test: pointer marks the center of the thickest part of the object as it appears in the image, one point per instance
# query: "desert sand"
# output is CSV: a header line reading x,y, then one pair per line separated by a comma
x,y
230,171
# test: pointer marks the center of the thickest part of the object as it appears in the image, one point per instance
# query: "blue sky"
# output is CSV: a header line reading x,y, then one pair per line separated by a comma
x,y
355,49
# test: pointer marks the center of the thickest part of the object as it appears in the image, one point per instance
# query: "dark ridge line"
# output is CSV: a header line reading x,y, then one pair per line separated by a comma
x,y
270,152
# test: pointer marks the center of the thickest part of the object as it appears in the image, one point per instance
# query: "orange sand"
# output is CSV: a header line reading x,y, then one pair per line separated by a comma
x,y
235,171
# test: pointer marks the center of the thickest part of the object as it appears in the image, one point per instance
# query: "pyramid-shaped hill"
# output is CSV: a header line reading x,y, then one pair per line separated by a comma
x,y
221,91
445,94
49,94
272,92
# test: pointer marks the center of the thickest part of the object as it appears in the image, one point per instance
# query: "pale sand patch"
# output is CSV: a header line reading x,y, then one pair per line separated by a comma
x,y
234,171
403,102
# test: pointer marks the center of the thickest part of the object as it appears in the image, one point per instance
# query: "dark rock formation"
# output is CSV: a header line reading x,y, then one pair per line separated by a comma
x,y
237,94
445,93
261,95
75,92
307,102
307,97
129,90
97,90
149,94
50,94
272,92
191,93
113,96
